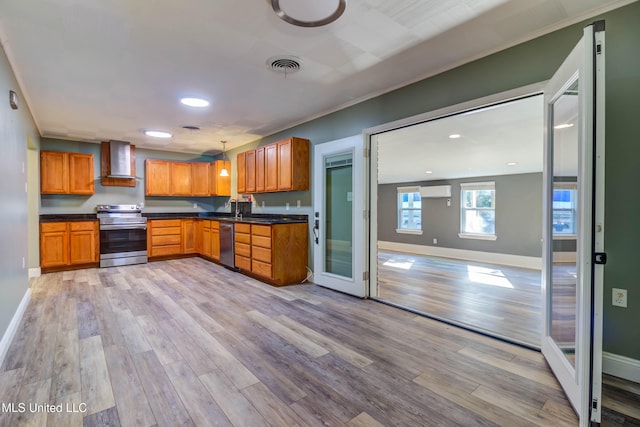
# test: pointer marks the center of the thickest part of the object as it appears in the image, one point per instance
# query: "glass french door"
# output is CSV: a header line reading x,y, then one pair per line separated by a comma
x,y
573,219
338,228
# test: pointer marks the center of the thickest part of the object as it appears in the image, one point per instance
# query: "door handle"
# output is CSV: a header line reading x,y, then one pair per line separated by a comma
x,y
316,228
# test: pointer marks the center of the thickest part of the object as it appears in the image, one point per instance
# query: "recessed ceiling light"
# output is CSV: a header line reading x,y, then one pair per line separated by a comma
x,y
454,136
563,126
512,163
428,171
309,13
158,133
195,102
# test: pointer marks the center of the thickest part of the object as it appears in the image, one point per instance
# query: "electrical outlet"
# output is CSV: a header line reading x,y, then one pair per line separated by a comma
x,y
435,241
298,203
195,206
286,208
619,297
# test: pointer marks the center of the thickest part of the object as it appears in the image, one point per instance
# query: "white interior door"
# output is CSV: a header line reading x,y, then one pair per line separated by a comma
x,y
573,208
338,224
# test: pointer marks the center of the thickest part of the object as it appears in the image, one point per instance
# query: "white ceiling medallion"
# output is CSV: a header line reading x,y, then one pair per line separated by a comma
x,y
309,13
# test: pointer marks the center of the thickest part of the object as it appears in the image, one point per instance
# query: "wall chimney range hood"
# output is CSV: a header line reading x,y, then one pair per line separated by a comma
x,y
120,159
118,164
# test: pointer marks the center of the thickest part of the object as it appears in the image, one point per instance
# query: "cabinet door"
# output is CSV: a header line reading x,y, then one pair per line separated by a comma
x,y
206,239
271,168
83,242
259,169
215,244
285,170
197,235
157,178
188,236
180,179
250,170
200,179
220,185
241,179
82,247
80,173
54,172
54,246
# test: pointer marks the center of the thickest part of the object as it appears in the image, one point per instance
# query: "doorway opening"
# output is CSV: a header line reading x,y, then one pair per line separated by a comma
x,y
459,218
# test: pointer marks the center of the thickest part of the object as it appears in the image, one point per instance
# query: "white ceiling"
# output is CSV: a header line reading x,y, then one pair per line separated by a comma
x,y
108,69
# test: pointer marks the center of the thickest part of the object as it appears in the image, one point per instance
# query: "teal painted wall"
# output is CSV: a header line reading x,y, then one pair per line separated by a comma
x,y
19,135
521,65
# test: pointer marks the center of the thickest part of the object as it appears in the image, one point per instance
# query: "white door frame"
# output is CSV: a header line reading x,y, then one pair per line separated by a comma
x,y
356,285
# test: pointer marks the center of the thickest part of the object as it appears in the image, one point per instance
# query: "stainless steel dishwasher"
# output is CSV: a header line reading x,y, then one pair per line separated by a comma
x,y
226,244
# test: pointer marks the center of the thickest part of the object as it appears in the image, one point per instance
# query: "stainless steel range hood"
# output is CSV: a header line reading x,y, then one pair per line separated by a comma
x,y
120,159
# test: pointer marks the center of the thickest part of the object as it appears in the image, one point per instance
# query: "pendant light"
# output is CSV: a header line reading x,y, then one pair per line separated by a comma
x,y
224,171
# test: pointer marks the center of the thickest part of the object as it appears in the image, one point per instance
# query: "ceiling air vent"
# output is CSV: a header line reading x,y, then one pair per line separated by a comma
x,y
284,64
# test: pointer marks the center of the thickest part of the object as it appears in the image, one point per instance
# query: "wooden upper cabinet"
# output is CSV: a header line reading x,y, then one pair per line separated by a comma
x,y
200,179
271,167
250,170
220,185
80,173
157,178
280,166
293,164
66,173
241,179
54,173
180,179
260,170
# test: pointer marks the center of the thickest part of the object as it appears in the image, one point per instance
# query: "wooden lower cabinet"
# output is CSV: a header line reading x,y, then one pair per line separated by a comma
x,y
279,252
164,237
188,236
242,246
68,244
215,240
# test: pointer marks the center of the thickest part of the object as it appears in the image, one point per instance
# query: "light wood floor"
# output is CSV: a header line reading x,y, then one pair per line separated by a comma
x,y
187,342
499,300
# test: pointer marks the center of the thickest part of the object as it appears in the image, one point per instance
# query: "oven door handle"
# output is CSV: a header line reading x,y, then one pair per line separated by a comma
x,y
123,227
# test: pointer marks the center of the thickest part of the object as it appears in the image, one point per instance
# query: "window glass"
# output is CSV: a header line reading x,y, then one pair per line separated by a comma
x,y
564,211
409,211
477,213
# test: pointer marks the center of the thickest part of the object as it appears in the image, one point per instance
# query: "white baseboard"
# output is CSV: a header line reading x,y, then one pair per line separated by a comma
x,y
34,272
621,366
7,338
534,263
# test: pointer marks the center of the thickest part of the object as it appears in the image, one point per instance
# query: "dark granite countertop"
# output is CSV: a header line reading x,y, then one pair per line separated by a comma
x,y
253,219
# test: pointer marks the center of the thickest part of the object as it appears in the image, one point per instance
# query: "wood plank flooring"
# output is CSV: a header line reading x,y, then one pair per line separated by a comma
x,y
499,300
187,342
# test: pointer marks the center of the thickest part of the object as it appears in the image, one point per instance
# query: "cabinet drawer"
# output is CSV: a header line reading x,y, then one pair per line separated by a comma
x,y
243,263
243,249
165,240
163,231
47,227
243,228
243,238
166,250
82,226
261,254
261,230
215,225
261,268
167,223
261,241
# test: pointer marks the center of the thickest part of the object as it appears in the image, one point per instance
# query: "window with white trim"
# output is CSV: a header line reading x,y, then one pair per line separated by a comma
x,y
565,202
478,210
409,210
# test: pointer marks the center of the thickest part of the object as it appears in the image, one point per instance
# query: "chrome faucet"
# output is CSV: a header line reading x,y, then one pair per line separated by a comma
x,y
238,213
